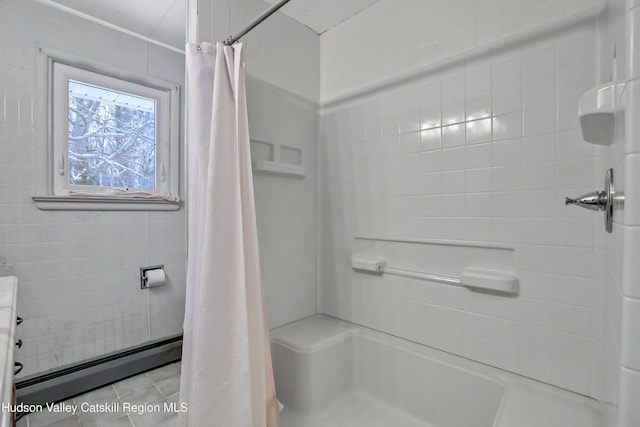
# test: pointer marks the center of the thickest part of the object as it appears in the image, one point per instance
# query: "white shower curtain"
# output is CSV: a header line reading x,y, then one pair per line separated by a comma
x,y
227,377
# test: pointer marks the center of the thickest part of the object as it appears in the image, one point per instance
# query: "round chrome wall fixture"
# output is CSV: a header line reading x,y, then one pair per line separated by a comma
x,y
609,194
599,200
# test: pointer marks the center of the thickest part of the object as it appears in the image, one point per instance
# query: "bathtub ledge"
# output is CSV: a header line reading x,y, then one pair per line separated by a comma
x,y
528,404
313,334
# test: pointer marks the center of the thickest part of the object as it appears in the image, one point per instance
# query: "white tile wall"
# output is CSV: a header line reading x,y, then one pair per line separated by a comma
x,y
499,150
623,252
78,271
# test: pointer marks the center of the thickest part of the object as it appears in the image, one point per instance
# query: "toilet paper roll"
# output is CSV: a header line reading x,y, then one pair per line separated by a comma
x,y
154,278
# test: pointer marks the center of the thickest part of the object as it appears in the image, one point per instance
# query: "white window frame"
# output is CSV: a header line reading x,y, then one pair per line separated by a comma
x,y
54,70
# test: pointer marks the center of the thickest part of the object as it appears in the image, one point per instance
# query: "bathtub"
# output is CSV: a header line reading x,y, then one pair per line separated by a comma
x,y
331,373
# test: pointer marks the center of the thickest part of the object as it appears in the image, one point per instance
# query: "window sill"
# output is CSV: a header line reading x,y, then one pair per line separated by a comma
x,y
106,203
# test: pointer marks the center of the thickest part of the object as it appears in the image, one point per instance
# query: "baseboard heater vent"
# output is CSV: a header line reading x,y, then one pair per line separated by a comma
x,y
63,384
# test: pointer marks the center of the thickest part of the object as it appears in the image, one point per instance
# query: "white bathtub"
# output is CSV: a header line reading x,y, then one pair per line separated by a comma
x,y
331,373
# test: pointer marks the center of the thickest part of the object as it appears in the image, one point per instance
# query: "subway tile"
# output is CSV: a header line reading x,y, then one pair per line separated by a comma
x,y
478,156
570,375
631,268
453,136
431,161
630,346
506,99
478,180
539,120
431,139
453,112
478,131
507,73
453,228
539,63
538,258
478,205
478,107
409,143
632,18
506,204
453,182
409,112
575,261
575,173
538,176
629,389
389,117
507,152
535,363
453,89
508,126
538,203
575,54
576,232
478,229
570,145
631,100
477,80
491,328
568,118
430,117
506,178
453,205
539,92
572,348
573,84
430,90
572,319
632,200
538,231
453,159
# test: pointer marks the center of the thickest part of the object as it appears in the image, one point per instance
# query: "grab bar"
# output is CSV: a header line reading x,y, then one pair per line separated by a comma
x,y
474,278
439,278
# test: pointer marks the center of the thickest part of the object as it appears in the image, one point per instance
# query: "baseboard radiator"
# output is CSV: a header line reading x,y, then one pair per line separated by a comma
x,y
63,384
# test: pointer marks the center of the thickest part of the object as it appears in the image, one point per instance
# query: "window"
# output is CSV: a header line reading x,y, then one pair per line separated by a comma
x,y
112,140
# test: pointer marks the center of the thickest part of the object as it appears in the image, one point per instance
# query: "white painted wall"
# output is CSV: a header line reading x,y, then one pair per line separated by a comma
x,y
282,59
79,289
394,36
285,206
482,150
279,51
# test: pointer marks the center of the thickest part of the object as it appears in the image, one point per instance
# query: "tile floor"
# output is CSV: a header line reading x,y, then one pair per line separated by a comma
x,y
149,390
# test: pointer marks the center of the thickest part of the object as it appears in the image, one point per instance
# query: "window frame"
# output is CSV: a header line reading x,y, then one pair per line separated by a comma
x,y
53,72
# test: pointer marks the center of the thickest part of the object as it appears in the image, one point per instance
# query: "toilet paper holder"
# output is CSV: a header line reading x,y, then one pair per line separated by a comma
x,y
143,275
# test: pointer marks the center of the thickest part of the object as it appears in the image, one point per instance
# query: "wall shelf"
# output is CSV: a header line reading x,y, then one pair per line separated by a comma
x,y
276,159
274,168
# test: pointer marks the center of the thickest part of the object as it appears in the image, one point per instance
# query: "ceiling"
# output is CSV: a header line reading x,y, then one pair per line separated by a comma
x,y
322,15
165,20
161,20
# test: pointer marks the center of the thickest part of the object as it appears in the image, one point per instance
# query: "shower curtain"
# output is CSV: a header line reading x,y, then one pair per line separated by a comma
x,y
227,377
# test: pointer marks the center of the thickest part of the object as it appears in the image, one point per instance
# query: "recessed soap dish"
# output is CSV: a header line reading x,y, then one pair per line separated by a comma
x,y
597,111
276,159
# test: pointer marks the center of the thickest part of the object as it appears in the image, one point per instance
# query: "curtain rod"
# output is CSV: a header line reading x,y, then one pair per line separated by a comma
x,y
257,21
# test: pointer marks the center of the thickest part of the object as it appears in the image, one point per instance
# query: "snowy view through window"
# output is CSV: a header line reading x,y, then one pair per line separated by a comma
x,y
112,138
